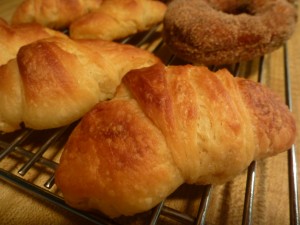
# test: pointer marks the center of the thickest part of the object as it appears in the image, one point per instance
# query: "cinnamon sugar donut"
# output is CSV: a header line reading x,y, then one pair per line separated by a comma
x,y
227,31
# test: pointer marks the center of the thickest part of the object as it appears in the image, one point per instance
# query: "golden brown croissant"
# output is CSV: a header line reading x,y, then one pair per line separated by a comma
x,y
53,82
13,37
166,126
57,14
117,19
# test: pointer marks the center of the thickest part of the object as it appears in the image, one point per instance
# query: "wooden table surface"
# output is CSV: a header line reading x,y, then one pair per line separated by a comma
x,y
271,200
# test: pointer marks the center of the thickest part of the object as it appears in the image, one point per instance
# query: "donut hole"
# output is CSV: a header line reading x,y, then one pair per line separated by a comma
x,y
240,9
233,7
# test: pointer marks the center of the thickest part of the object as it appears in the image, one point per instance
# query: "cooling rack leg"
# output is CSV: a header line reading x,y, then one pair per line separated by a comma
x,y
292,161
156,213
293,188
249,195
200,220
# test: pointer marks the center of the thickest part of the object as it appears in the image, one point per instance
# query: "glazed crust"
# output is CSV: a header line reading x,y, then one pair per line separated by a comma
x,y
215,32
186,122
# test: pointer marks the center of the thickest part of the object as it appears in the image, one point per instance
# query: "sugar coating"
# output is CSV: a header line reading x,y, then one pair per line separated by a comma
x,y
216,32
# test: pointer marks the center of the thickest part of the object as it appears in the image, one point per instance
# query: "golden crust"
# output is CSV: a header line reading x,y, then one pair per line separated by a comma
x,y
118,19
15,36
270,117
73,75
57,14
188,123
118,146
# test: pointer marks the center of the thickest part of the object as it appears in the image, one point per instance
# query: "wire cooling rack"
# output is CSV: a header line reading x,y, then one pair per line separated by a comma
x,y
41,157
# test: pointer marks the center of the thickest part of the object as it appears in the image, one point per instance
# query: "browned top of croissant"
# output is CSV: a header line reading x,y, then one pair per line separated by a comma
x,y
57,14
117,19
166,126
54,81
15,36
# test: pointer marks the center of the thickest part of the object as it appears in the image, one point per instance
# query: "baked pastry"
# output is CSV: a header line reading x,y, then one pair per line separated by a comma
x,y
167,126
216,32
56,14
14,37
117,19
53,82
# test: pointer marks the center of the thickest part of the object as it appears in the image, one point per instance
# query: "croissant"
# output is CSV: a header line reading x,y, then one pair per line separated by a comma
x,y
14,37
53,82
117,19
167,126
57,14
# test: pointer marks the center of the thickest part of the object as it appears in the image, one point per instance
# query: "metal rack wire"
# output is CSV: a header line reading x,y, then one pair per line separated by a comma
x,y
15,146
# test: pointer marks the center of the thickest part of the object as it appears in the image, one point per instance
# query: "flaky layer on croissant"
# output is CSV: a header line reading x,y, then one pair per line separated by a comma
x,y
57,14
53,82
14,37
167,126
117,19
